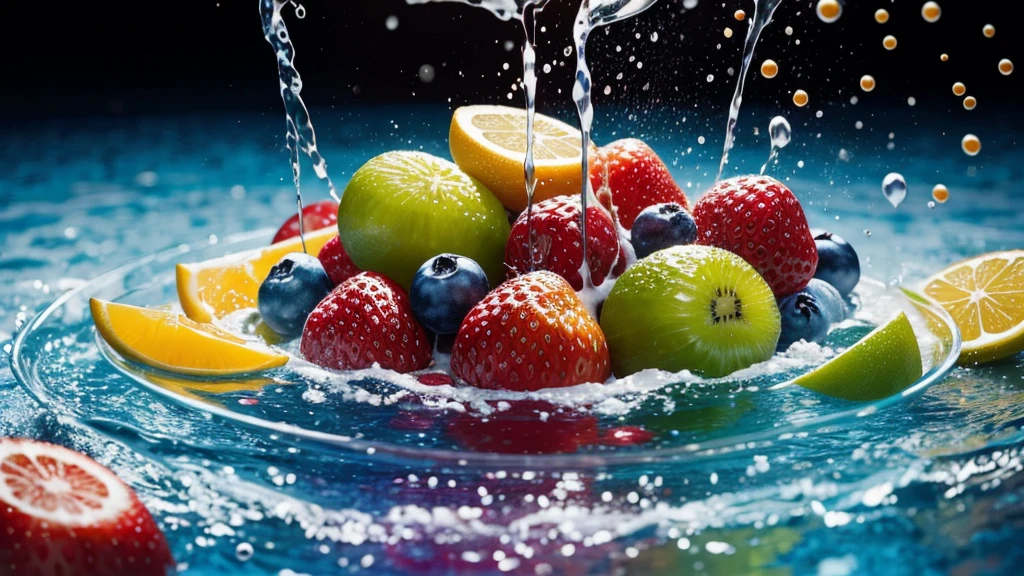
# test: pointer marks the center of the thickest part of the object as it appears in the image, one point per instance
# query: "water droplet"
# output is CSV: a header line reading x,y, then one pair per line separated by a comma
x,y
788,30
971,145
944,57
391,23
867,232
654,37
912,101
780,131
711,77
243,552
727,32
867,83
829,10
970,103
800,98
931,12
740,15
931,205
881,15
1005,67
894,187
959,89
989,31
889,42
940,193
769,69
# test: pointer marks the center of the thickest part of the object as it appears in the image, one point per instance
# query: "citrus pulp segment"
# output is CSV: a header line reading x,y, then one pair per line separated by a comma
x,y
985,297
883,363
489,143
169,341
215,288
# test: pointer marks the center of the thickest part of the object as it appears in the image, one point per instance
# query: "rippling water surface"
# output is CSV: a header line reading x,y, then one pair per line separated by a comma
x,y
932,485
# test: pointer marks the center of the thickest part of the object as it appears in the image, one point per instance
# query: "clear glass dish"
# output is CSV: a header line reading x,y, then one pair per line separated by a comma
x,y
377,415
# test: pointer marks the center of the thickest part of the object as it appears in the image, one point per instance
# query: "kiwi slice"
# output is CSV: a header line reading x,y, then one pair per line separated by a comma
x,y
696,308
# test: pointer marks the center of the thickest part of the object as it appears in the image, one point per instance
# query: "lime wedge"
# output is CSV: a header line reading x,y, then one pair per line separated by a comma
x,y
883,363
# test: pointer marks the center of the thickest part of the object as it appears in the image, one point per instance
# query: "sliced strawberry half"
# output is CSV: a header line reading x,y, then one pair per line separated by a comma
x,y
63,513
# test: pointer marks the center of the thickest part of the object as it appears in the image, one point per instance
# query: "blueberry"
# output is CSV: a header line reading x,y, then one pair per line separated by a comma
x,y
662,226
294,287
837,262
443,291
808,314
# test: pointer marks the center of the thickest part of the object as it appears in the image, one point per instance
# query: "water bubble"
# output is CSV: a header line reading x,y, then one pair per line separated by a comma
x,y
243,552
727,32
971,145
881,15
867,232
1005,67
829,10
740,15
894,187
391,23
889,42
509,45
607,90
769,69
711,77
989,31
912,101
970,103
859,125
654,37
689,4
944,57
701,140
867,83
959,89
931,12
931,205
788,30
427,73
940,193
780,132
800,98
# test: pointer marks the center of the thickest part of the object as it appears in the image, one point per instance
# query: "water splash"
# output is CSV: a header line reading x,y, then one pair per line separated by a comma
x,y
593,13
763,10
300,133
781,133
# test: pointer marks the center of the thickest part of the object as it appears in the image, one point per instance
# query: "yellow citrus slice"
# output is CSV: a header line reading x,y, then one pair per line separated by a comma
x,y
169,341
489,144
218,287
985,297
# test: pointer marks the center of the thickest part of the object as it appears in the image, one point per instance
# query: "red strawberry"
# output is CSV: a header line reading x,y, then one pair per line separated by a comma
x,y
558,244
759,218
366,319
532,332
336,262
63,513
637,179
314,217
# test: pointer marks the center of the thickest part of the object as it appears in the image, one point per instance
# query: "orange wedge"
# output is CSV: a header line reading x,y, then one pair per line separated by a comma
x,y
985,297
215,288
489,144
169,341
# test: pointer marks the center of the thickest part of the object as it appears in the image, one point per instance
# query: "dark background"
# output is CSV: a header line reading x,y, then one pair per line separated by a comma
x,y
122,58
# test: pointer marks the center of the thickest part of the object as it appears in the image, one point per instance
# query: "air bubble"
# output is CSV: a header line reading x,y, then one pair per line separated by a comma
x,y
769,69
931,205
867,83
829,10
391,23
931,12
971,145
894,188
912,101
426,73
243,552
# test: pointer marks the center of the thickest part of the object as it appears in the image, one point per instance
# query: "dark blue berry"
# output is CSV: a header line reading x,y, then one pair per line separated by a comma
x,y
808,314
294,287
662,226
837,262
443,291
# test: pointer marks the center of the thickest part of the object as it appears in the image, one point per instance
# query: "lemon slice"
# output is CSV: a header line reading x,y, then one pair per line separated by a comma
x,y
169,341
218,287
489,144
985,297
883,363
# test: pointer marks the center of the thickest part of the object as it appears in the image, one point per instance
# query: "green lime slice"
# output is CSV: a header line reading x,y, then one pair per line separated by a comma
x,y
883,363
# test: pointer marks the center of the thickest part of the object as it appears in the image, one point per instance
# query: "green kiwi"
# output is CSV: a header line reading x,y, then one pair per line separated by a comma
x,y
696,308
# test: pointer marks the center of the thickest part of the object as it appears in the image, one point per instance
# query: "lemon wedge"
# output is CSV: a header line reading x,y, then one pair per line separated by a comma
x,y
489,144
985,297
169,341
883,363
215,288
